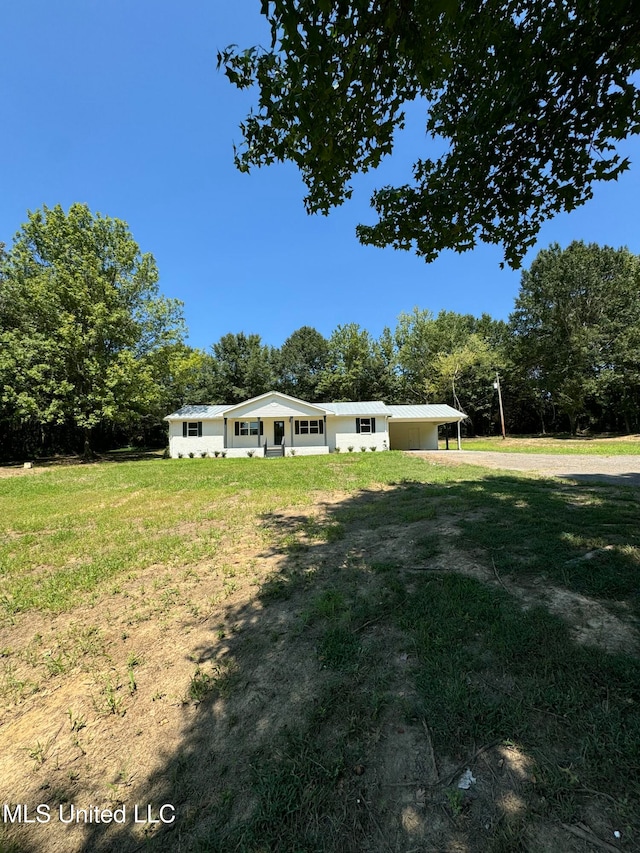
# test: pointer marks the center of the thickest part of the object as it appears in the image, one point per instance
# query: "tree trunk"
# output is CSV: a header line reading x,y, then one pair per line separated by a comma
x,y
87,452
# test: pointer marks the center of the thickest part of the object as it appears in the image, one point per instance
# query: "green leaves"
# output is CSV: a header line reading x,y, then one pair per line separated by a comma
x,y
80,314
528,95
576,330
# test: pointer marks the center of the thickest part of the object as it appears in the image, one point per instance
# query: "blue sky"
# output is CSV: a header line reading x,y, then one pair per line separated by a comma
x,y
118,104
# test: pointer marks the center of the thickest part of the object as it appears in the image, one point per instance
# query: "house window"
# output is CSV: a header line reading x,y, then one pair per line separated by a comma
x,y
249,428
309,427
366,426
191,429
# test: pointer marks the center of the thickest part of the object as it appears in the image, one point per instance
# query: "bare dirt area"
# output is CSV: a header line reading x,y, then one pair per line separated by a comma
x,y
618,470
169,689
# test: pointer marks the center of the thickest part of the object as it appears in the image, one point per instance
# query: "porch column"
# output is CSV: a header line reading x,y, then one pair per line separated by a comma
x,y
324,418
259,436
224,437
291,428
459,442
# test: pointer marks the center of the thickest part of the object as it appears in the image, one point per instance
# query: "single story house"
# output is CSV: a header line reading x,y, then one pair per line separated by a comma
x,y
276,424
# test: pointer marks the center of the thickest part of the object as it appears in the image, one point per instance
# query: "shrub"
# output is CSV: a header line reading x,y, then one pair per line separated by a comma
x,y
203,454
350,448
337,450
223,453
292,452
250,453
216,453
191,455
363,449
373,448
179,455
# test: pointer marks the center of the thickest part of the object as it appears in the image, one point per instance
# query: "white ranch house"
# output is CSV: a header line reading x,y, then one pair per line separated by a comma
x,y
275,424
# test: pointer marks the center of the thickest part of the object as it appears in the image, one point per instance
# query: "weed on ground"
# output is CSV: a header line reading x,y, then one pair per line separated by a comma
x,y
358,653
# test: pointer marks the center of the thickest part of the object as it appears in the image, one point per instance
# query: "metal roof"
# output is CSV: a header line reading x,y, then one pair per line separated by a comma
x,y
200,412
439,412
368,407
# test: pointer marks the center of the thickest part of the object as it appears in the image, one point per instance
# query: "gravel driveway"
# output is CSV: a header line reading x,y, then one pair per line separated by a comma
x,y
620,470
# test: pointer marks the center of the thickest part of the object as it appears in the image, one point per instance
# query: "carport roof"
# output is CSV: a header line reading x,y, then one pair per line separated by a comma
x,y
437,413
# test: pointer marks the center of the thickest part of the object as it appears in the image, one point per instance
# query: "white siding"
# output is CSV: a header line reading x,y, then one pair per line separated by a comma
x,y
210,440
307,451
311,439
276,409
413,436
342,433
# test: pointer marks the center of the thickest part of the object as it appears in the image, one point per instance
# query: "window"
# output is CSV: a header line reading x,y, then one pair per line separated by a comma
x,y
191,430
309,427
366,426
249,428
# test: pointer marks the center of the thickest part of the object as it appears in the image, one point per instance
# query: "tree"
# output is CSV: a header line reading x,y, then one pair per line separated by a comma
x,y
576,329
415,351
448,356
530,96
463,377
80,321
243,368
301,360
358,367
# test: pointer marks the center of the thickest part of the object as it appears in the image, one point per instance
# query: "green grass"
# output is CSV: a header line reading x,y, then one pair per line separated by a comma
x,y
66,531
396,637
557,444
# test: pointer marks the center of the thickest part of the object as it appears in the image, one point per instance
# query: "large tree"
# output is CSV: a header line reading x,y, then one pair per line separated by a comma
x,y
300,362
576,328
449,358
243,367
81,319
358,367
529,95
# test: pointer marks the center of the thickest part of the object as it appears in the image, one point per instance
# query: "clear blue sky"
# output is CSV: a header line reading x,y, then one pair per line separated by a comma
x,y
118,104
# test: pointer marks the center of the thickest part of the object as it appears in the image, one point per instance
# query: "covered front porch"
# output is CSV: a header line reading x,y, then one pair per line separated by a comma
x,y
275,426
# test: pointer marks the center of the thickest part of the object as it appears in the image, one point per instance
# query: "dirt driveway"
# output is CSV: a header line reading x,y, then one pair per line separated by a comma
x,y
620,470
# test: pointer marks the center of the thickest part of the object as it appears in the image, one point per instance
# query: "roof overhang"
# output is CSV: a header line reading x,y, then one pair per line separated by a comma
x,y
273,404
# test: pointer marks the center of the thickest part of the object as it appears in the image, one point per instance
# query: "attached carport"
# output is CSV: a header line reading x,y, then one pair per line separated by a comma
x,y
416,427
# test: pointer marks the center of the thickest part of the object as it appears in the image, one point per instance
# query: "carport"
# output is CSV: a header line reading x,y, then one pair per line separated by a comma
x,y
416,427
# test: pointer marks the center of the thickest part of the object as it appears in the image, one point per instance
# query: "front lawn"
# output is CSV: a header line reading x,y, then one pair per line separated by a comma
x,y
309,654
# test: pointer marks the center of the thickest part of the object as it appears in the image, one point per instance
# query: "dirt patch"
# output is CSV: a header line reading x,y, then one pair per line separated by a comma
x,y
171,686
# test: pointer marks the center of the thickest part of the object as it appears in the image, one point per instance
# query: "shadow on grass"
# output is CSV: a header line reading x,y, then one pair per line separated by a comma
x,y
630,478
68,460
388,652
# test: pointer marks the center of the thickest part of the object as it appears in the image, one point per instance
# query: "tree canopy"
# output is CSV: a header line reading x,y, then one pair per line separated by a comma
x,y
530,97
81,320
243,368
576,331
301,360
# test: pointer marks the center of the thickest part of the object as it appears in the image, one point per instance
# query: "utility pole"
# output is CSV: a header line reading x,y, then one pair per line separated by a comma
x,y
496,385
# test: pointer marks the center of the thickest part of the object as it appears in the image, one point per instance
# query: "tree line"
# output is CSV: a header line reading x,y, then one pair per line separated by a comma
x,y
92,356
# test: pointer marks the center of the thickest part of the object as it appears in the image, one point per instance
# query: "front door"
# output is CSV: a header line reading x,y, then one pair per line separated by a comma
x,y
278,432
414,438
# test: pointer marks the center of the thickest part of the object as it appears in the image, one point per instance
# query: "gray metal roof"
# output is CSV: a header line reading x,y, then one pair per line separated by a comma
x,y
368,407
440,412
201,412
